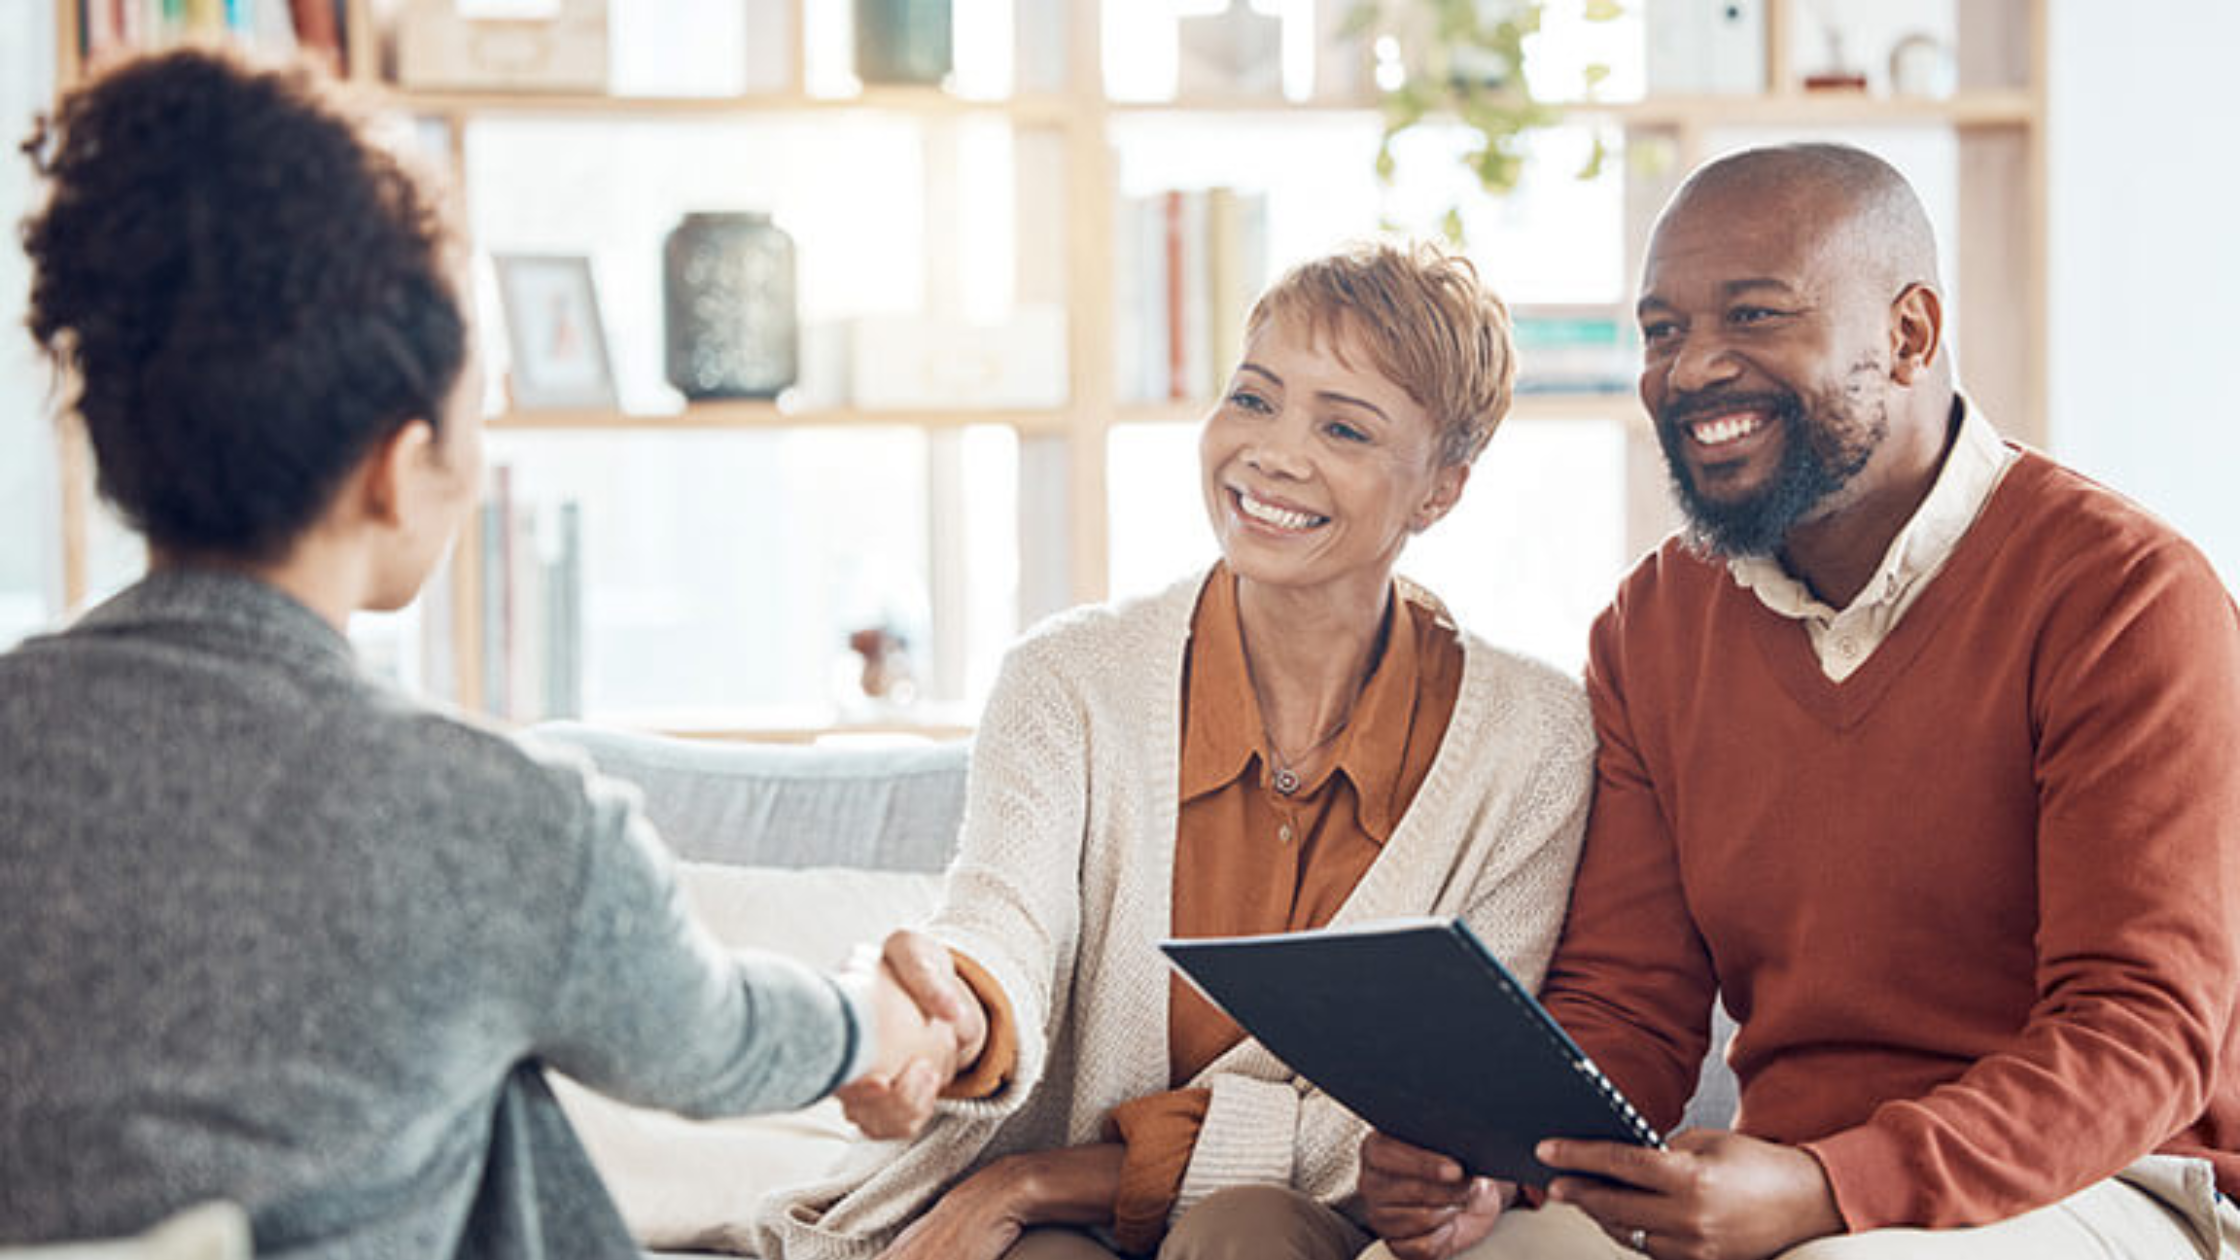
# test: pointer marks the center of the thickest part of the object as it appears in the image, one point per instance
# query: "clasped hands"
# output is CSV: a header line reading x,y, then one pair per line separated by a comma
x,y
1711,1195
930,1027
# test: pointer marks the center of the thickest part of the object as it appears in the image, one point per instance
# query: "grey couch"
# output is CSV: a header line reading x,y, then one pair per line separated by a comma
x,y
884,809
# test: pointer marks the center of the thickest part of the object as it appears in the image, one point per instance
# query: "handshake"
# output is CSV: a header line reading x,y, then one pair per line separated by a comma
x,y
929,1028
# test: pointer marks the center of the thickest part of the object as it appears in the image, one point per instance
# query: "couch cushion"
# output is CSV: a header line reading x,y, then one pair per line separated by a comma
x,y
769,805
686,1184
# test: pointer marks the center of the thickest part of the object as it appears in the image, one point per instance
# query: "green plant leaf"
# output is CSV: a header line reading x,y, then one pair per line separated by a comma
x,y
1604,10
1361,19
1386,166
1451,227
1595,74
1596,156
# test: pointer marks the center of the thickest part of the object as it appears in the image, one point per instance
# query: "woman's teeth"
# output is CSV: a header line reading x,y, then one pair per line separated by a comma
x,y
1281,518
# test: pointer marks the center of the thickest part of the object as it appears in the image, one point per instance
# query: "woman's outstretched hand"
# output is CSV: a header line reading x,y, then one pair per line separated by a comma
x,y
930,1027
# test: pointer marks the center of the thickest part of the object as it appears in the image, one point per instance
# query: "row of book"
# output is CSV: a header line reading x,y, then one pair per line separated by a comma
x,y
1574,350
532,605
111,28
1187,264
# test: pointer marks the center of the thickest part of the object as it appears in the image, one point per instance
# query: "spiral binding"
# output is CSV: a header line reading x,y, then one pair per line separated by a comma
x,y
1620,1105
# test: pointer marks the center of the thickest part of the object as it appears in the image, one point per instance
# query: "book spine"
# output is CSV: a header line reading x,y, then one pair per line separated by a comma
x,y
131,19
318,29
1252,246
564,641
439,667
1225,298
100,30
525,618
497,604
1127,299
1196,375
1151,252
1178,365
276,26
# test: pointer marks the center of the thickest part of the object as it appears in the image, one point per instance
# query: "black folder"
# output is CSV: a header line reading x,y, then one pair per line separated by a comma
x,y
1417,1028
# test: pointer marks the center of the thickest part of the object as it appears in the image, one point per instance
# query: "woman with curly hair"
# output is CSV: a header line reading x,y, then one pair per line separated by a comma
x,y
273,933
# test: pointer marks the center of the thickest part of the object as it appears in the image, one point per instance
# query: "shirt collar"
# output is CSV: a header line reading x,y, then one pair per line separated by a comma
x,y
1220,715
1222,731
223,605
1374,750
1971,472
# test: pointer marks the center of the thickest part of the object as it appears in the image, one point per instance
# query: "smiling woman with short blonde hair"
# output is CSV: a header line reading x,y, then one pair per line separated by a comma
x,y
1293,739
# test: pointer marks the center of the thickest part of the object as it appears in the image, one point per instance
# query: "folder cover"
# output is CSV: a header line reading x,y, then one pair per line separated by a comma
x,y
1417,1028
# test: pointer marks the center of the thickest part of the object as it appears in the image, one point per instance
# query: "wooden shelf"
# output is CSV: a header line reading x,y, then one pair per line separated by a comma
x,y
1824,109
925,102
732,416
1582,405
1789,109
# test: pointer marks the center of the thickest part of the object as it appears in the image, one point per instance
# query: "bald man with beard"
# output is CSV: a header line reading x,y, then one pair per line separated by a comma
x,y
1918,751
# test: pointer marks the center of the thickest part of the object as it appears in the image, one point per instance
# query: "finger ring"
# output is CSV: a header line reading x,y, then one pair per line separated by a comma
x,y
1638,1240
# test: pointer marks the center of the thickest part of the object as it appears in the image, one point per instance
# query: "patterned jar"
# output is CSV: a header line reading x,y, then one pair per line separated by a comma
x,y
728,293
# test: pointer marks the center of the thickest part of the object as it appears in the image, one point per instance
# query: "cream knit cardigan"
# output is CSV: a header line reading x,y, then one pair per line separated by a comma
x,y
1064,881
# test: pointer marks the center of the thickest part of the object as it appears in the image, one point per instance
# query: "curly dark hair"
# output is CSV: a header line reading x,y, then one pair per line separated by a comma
x,y
249,293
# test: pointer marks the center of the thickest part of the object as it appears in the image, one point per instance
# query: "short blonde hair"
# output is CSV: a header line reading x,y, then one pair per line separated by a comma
x,y
1425,320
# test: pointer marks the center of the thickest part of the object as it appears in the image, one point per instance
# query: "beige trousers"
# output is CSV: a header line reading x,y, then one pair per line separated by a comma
x,y
1244,1223
2160,1209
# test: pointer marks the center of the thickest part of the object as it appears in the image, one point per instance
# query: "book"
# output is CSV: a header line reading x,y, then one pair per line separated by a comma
x,y
1415,1026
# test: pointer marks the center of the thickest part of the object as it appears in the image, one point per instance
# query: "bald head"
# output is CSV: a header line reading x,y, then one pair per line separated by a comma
x,y
1792,337
1860,209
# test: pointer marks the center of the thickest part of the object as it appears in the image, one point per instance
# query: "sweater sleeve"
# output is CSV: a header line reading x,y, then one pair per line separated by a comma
x,y
999,1057
2136,702
1632,980
1013,900
1159,1132
651,1009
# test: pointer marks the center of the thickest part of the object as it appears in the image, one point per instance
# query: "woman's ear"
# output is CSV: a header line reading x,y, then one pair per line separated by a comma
x,y
1916,332
1446,491
392,470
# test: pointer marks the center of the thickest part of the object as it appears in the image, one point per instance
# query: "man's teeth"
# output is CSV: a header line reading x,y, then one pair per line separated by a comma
x,y
1723,429
1281,518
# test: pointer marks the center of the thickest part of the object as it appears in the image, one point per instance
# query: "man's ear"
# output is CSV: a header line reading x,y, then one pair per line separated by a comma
x,y
388,472
1916,332
1446,491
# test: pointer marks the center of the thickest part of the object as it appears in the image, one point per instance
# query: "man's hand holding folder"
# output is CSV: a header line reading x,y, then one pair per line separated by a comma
x,y
1708,1195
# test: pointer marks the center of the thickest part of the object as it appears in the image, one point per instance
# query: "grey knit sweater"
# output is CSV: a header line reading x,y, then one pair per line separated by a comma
x,y
270,933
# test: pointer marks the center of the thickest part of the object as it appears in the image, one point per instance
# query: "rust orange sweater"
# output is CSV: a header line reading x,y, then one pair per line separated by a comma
x,y
1977,909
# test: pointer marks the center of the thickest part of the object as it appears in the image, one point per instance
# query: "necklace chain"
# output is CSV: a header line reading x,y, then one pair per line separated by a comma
x,y
1286,779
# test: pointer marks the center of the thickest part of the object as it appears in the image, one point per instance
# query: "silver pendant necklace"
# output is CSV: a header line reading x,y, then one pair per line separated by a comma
x,y
1285,779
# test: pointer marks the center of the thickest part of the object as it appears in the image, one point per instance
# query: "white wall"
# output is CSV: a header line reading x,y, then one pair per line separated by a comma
x,y
2145,278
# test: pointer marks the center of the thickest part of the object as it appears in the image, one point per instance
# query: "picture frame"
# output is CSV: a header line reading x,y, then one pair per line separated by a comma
x,y
553,332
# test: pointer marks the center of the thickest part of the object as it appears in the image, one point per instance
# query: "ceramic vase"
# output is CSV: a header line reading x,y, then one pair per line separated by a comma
x,y
728,292
903,41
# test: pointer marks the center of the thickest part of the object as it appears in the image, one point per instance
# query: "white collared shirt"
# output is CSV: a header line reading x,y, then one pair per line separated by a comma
x,y
1843,640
